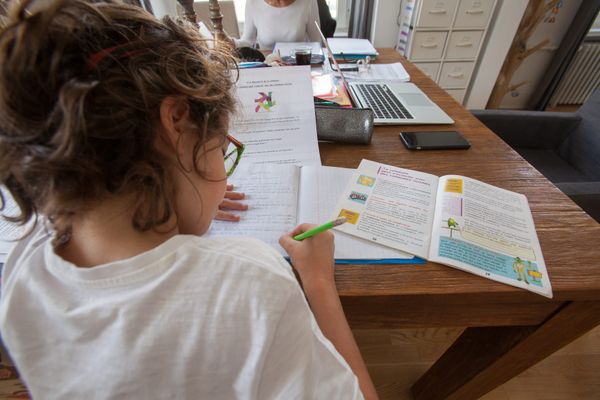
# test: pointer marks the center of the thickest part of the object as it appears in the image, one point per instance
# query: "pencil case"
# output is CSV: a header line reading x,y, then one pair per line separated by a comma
x,y
344,125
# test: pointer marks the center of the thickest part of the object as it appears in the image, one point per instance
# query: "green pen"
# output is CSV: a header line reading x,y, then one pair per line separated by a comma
x,y
320,228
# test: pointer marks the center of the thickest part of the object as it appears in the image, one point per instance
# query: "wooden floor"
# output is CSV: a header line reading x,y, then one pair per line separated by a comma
x,y
397,358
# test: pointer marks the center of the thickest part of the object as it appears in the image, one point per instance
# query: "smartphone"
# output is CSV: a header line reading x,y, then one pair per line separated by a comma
x,y
434,140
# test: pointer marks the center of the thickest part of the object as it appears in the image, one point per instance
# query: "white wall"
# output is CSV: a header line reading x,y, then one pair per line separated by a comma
x,y
502,31
384,27
164,7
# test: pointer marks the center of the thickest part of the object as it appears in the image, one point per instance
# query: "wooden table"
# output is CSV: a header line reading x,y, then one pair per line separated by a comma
x,y
508,329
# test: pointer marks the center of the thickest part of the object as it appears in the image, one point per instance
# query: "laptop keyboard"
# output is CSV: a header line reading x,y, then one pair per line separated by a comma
x,y
382,101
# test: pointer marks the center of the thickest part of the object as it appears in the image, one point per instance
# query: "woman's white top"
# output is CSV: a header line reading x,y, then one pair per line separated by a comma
x,y
267,25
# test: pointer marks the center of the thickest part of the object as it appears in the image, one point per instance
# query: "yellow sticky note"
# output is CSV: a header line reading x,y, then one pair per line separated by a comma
x,y
366,180
454,185
351,216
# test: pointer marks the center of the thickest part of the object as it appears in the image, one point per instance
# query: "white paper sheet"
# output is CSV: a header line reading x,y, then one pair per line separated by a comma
x,y
377,72
276,116
9,232
272,195
351,46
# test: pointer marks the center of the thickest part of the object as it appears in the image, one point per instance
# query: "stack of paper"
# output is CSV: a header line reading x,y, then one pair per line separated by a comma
x,y
377,72
351,49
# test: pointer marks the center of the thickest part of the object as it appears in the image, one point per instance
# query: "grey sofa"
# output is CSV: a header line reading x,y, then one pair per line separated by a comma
x,y
564,147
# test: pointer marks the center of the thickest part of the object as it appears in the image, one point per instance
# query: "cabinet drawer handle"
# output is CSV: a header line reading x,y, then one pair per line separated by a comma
x,y
464,44
473,12
456,75
429,46
438,11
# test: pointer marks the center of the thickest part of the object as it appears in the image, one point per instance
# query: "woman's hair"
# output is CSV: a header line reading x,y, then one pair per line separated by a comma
x,y
81,83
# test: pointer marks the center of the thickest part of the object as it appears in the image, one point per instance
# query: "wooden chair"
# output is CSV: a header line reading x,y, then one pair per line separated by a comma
x,y
215,16
202,13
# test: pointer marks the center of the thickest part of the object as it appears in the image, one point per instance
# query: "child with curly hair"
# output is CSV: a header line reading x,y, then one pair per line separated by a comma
x,y
113,139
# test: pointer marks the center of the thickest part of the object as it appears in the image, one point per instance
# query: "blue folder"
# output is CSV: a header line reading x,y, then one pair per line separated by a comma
x,y
414,260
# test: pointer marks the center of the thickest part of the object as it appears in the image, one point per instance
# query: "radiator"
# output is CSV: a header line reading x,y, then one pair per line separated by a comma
x,y
581,77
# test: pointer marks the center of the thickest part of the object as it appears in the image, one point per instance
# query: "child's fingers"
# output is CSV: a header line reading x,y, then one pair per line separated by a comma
x,y
232,205
226,216
287,239
234,195
302,228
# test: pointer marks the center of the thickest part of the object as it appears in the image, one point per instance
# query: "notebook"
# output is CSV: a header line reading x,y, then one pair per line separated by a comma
x,y
393,103
281,196
351,48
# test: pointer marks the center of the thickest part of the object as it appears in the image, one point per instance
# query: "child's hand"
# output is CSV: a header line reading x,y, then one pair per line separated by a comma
x,y
312,257
230,203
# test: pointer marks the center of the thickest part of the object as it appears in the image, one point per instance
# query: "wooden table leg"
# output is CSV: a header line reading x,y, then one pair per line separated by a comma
x,y
481,359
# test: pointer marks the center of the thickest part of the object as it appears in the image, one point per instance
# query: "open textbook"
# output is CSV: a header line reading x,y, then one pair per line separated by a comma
x,y
279,197
453,220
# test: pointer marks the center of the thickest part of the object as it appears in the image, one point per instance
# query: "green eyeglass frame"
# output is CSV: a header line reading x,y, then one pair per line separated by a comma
x,y
232,159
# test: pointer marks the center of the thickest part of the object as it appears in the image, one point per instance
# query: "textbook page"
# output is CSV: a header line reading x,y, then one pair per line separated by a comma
x,y
275,116
320,189
271,194
389,205
488,231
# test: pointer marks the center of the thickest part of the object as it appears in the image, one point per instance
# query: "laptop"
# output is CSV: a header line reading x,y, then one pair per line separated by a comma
x,y
392,102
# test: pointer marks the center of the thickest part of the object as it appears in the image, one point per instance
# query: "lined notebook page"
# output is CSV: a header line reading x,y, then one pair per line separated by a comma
x,y
272,195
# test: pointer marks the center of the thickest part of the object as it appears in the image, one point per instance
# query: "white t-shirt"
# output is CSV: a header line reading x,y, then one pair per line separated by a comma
x,y
266,24
193,318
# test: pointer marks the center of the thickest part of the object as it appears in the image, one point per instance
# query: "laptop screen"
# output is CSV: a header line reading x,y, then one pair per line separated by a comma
x,y
339,70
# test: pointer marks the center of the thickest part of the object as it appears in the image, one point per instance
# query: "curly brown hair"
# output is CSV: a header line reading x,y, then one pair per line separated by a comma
x,y
81,83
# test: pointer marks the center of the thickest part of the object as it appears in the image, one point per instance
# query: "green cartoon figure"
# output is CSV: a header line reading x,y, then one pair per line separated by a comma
x,y
519,268
452,223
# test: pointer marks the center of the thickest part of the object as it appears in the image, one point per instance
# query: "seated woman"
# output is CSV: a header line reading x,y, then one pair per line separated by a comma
x,y
270,21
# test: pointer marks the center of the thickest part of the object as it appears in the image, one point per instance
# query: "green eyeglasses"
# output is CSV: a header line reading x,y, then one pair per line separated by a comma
x,y
232,158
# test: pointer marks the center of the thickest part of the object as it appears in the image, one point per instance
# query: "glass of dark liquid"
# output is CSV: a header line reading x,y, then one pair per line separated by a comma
x,y
303,55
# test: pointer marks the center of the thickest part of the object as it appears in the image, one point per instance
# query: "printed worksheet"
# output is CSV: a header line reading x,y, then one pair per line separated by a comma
x,y
275,116
487,231
391,206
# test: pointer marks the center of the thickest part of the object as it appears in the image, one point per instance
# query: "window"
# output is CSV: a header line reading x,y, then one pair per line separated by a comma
x,y
340,11
595,29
